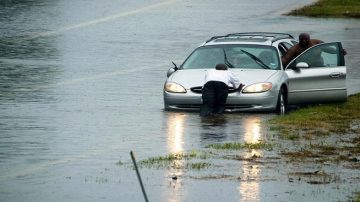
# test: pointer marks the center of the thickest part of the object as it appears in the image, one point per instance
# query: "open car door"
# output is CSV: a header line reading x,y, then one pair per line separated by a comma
x,y
318,75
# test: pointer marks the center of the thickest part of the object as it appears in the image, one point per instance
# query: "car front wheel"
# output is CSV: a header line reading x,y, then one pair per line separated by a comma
x,y
281,107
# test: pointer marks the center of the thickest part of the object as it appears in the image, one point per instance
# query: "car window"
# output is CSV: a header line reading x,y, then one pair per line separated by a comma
x,y
204,58
235,56
287,45
323,55
284,47
294,42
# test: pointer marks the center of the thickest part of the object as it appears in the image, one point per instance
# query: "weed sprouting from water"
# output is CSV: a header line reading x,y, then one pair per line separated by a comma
x,y
119,163
290,135
357,197
325,148
166,159
177,160
239,146
198,166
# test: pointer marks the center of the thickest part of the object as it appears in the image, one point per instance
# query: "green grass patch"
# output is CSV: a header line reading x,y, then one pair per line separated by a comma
x,y
357,197
301,155
320,119
198,166
168,158
177,160
290,136
330,8
239,146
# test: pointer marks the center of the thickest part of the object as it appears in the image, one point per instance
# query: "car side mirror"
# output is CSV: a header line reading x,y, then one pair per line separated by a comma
x,y
298,66
302,65
170,71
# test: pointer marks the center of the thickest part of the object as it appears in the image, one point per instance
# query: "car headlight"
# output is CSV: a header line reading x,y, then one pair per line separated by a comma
x,y
174,88
258,88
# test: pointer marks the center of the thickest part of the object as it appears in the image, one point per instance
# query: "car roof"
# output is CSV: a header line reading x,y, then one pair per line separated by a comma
x,y
260,38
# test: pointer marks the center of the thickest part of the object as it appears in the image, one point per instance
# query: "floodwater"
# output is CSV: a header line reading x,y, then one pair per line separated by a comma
x,y
81,86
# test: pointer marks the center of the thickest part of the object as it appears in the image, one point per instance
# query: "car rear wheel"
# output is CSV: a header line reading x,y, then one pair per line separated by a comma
x,y
281,107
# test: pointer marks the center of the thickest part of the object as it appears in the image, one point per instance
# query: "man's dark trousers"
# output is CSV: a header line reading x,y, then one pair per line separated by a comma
x,y
214,95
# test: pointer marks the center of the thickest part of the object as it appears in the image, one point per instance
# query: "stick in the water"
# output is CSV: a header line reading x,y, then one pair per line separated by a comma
x,y
138,175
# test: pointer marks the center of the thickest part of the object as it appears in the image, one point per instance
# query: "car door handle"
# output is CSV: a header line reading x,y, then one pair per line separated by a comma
x,y
335,75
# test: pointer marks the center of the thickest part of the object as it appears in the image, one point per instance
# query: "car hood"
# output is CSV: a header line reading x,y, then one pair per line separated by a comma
x,y
195,77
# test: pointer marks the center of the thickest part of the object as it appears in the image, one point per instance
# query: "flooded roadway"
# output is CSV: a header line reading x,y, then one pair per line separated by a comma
x,y
81,86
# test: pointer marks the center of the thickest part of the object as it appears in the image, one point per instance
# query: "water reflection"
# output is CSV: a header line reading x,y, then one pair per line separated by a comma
x,y
175,144
213,129
175,130
252,133
249,187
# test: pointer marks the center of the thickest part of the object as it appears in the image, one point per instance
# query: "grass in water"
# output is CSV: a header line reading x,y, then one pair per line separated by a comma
x,y
357,197
330,8
239,146
168,158
177,160
197,166
119,163
332,120
320,119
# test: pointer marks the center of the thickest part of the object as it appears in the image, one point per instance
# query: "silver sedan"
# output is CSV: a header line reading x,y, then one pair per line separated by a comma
x,y
255,58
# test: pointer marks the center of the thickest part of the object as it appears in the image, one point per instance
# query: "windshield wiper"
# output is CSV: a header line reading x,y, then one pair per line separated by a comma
x,y
256,59
227,61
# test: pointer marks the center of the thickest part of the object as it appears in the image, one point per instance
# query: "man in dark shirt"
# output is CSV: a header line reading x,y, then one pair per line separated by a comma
x,y
304,43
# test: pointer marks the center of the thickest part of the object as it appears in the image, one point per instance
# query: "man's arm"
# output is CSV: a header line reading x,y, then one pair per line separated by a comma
x,y
316,41
290,54
326,49
234,80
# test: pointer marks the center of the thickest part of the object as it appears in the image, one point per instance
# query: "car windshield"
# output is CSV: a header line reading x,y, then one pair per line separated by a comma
x,y
235,56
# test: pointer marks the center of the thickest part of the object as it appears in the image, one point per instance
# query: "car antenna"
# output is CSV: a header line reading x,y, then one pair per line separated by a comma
x,y
176,67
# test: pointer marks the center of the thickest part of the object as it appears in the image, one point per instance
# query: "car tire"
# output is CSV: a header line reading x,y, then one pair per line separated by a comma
x,y
281,106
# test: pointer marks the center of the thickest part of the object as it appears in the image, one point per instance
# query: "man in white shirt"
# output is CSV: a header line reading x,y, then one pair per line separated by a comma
x,y
216,89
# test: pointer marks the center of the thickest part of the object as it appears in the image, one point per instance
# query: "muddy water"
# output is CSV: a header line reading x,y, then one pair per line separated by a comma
x,y
81,86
